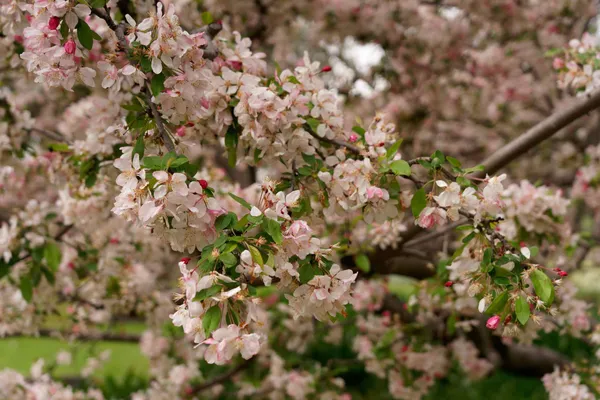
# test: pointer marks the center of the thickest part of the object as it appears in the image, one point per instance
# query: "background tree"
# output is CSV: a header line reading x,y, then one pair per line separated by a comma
x,y
150,143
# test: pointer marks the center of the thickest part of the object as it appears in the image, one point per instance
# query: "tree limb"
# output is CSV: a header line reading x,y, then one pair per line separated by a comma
x,y
537,134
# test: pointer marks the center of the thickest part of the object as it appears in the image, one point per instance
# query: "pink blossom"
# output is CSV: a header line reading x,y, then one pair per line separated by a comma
x,y
493,322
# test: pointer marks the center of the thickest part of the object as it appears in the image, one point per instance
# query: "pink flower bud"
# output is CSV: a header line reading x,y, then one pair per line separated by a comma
x,y
185,260
449,284
562,274
203,183
235,65
180,131
53,23
326,68
493,322
558,63
70,46
353,138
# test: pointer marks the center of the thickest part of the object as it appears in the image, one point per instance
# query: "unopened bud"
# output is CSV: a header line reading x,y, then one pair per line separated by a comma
x,y
70,46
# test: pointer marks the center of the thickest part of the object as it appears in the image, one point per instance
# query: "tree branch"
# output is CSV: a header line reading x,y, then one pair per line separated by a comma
x,y
159,122
336,142
537,134
508,153
221,378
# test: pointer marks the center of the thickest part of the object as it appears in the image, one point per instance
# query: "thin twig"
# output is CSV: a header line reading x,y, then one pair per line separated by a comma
x,y
221,378
159,123
49,134
336,142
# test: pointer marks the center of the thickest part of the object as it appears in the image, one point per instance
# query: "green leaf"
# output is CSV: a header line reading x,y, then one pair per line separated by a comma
x,y
208,292
393,149
453,161
256,256
64,30
475,169
273,228
59,147
228,259
153,163
49,275
543,286
307,272
418,202
487,256
146,64
534,250
223,221
231,142
52,255
95,36
498,304
26,287
84,34
113,286
360,130
400,167
158,84
522,309
362,262
468,238
97,3
313,123
207,18
138,148
501,280
310,159
437,158
462,181
211,320
241,201
451,324
177,162
305,171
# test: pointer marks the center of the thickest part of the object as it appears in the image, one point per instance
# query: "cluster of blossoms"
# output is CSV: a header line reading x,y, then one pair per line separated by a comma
x,y
562,385
587,179
38,384
578,66
192,212
55,54
450,202
535,210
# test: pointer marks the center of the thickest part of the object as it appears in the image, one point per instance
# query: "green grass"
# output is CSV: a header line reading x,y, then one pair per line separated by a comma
x,y
20,353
